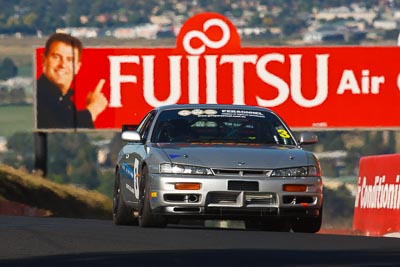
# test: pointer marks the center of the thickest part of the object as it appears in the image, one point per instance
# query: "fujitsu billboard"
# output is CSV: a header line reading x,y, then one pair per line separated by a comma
x,y
310,87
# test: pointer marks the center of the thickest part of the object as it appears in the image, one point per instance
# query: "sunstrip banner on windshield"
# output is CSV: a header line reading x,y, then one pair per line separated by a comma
x,y
310,87
377,205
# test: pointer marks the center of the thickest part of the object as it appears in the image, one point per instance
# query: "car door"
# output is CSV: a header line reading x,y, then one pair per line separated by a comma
x,y
133,155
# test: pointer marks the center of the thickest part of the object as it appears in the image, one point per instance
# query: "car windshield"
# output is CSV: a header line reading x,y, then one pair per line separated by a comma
x,y
220,126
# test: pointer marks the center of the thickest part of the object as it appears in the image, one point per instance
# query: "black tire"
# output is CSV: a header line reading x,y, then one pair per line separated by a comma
x,y
122,215
307,225
146,217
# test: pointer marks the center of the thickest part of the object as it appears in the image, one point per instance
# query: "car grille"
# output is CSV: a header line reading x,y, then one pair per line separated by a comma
x,y
241,172
243,185
260,199
222,198
241,199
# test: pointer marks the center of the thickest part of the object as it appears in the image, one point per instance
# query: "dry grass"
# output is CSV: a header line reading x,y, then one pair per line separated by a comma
x,y
60,200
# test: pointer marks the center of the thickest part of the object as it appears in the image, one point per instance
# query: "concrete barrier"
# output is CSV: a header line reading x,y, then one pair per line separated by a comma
x,y
377,205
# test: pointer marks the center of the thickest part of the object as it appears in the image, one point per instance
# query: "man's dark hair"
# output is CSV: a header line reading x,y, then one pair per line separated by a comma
x,y
64,38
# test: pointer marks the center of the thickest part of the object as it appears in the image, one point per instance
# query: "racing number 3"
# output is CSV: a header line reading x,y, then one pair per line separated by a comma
x,y
283,133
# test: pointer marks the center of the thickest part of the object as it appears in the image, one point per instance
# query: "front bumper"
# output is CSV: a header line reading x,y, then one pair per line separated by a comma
x,y
235,197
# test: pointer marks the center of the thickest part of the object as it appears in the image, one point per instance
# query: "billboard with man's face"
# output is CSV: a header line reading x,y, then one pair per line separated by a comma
x,y
310,87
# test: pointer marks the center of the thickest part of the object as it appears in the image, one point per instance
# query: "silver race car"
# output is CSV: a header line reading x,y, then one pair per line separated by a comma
x,y
211,161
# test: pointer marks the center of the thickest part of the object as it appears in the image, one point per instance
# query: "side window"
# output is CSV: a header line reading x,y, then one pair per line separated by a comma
x,y
144,126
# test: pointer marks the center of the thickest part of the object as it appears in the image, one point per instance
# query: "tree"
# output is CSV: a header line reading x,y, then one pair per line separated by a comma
x,y
106,186
255,20
4,95
338,206
30,20
114,146
72,159
292,26
8,69
20,146
17,95
75,9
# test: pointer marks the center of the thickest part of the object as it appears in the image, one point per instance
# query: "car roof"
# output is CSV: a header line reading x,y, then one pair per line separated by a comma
x,y
210,106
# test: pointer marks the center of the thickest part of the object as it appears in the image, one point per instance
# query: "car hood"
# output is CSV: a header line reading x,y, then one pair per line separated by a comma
x,y
237,155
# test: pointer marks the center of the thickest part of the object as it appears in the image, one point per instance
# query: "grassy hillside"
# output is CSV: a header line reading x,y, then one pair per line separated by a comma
x,y
59,200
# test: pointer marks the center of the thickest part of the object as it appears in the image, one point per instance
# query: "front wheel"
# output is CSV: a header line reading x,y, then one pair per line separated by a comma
x,y
146,217
121,213
308,225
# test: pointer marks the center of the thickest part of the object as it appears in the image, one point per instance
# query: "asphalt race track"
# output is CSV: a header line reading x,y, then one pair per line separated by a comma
x,y
34,241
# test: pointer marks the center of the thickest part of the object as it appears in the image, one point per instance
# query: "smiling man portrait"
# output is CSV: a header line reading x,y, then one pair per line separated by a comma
x,y
55,107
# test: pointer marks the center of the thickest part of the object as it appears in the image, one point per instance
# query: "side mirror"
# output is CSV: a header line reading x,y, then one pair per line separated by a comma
x,y
131,136
308,138
129,127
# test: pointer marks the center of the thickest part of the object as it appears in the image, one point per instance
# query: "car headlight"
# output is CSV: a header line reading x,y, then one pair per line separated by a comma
x,y
297,172
184,169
